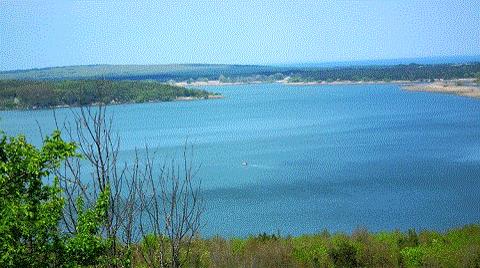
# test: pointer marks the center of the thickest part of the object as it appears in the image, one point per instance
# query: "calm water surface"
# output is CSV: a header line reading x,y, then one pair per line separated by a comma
x,y
335,157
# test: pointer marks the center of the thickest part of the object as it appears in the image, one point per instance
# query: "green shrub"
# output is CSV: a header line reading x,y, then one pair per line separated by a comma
x,y
31,208
408,240
311,251
87,246
373,252
268,252
198,255
343,252
412,256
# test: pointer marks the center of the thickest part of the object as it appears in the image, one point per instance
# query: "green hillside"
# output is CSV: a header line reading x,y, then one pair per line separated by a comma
x,y
250,73
178,72
27,94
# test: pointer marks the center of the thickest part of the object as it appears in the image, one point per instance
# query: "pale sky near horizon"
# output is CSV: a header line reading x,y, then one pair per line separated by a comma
x,y
35,34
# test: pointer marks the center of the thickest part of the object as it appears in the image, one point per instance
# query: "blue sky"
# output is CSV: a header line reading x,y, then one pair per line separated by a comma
x,y
37,34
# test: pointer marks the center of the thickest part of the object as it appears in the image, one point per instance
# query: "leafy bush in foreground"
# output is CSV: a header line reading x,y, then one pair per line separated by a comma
x,y
31,209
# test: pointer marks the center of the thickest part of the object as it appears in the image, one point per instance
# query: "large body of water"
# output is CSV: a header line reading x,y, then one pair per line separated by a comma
x,y
334,157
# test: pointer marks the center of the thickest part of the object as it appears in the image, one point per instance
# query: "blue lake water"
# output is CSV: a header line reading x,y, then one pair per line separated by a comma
x,y
319,157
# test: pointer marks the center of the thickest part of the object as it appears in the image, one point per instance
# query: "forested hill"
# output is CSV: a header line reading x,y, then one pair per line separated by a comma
x,y
250,73
27,94
178,72
410,72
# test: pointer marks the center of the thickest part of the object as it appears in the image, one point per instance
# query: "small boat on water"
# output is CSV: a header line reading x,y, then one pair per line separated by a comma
x,y
244,163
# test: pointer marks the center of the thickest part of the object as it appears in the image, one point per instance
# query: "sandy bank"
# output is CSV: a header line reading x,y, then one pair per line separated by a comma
x,y
286,82
346,82
209,97
212,83
448,87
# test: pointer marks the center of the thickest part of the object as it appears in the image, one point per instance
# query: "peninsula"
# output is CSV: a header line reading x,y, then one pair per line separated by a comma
x,y
29,94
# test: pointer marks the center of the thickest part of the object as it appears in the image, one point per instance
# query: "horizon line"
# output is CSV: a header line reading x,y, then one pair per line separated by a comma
x,y
339,63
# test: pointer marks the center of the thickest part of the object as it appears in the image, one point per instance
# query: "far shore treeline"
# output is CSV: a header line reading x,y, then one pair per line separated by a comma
x,y
251,73
29,94
112,84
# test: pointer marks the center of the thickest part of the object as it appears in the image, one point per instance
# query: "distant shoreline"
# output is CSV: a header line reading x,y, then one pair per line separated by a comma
x,y
286,82
213,83
460,87
344,82
209,97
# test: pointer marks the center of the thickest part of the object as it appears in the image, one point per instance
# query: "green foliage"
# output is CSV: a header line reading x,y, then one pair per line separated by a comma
x,y
412,256
455,248
197,256
44,94
410,240
311,251
149,248
238,245
268,251
29,209
374,252
248,73
343,252
87,246
410,72
179,72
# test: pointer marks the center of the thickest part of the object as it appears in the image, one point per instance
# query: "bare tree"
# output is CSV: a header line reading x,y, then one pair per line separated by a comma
x,y
147,198
99,147
172,210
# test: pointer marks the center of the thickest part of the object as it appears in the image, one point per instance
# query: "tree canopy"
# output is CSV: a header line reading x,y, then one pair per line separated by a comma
x,y
31,207
25,94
